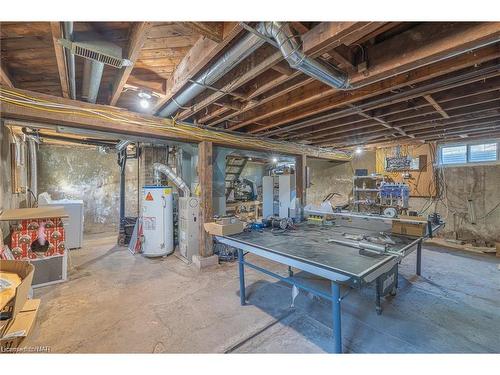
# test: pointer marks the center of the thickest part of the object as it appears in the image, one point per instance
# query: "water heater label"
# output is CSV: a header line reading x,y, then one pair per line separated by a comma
x,y
149,197
149,223
166,191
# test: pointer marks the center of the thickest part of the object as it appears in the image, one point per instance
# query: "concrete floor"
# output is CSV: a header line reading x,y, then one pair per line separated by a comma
x,y
117,302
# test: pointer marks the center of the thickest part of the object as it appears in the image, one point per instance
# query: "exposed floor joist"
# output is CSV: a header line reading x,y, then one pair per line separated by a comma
x,y
138,36
57,33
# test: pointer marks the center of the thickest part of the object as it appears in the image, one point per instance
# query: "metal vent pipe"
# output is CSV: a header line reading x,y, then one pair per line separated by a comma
x,y
226,62
159,168
280,33
92,75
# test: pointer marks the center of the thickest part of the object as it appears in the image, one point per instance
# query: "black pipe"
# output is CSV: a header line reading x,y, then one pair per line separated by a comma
x,y
122,162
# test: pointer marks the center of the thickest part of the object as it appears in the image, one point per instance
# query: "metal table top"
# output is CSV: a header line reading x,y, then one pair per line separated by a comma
x,y
309,244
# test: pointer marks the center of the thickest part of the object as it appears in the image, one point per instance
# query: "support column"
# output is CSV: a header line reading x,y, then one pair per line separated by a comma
x,y
205,175
300,178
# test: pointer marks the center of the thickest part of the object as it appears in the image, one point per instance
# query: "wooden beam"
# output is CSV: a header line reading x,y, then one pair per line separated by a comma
x,y
241,79
436,106
205,175
283,68
138,35
275,89
5,77
211,30
338,99
328,35
110,119
341,29
198,57
57,33
299,27
424,44
399,55
300,178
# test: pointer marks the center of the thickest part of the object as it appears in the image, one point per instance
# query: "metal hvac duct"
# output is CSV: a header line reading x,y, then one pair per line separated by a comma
x,y
226,62
280,33
169,172
92,75
70,58
97,52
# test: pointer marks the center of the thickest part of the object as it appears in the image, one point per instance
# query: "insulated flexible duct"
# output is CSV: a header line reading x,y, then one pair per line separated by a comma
x,y
280,33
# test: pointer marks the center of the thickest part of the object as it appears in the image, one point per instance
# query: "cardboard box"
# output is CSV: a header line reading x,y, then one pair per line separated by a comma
x,y
417,228
25,271
220,229
21,325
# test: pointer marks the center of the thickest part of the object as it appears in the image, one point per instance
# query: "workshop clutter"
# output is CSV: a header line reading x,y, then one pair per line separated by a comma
x,y
37,238
17,312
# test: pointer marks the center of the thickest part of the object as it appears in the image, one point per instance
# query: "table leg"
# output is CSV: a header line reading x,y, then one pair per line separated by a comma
x,y
419,258
337,335
378,305
242,277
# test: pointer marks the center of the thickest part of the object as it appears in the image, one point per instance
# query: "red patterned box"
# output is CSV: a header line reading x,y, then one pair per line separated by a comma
x,y
24,234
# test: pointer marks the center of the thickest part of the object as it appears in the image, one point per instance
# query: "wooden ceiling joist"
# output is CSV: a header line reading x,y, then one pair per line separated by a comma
x,y
436,106
4,76
390,61
82,115
57,33
211,30
198,57
138,36
389,85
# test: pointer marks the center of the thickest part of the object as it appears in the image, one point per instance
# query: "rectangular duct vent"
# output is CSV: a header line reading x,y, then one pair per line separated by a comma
x,y
97,56
97,50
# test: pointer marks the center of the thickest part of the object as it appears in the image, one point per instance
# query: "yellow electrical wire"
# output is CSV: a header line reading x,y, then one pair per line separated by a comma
x,y
172,126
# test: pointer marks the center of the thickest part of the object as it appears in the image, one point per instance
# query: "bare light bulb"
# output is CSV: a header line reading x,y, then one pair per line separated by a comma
x,y
144,103
359,150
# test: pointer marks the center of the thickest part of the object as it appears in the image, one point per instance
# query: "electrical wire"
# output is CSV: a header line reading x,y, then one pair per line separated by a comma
x,y
171,126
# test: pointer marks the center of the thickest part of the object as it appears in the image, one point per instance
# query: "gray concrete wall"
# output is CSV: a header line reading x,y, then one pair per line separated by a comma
x,y
335,177
480,184
84,173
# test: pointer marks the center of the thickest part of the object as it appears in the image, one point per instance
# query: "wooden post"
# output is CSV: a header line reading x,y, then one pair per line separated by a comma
x,y
205,175
300,178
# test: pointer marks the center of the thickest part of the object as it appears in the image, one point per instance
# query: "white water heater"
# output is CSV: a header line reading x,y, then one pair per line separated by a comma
x,y
157,221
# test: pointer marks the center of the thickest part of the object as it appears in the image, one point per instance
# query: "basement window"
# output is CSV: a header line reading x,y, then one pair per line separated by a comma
x,y
454,155
468,153
484,152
